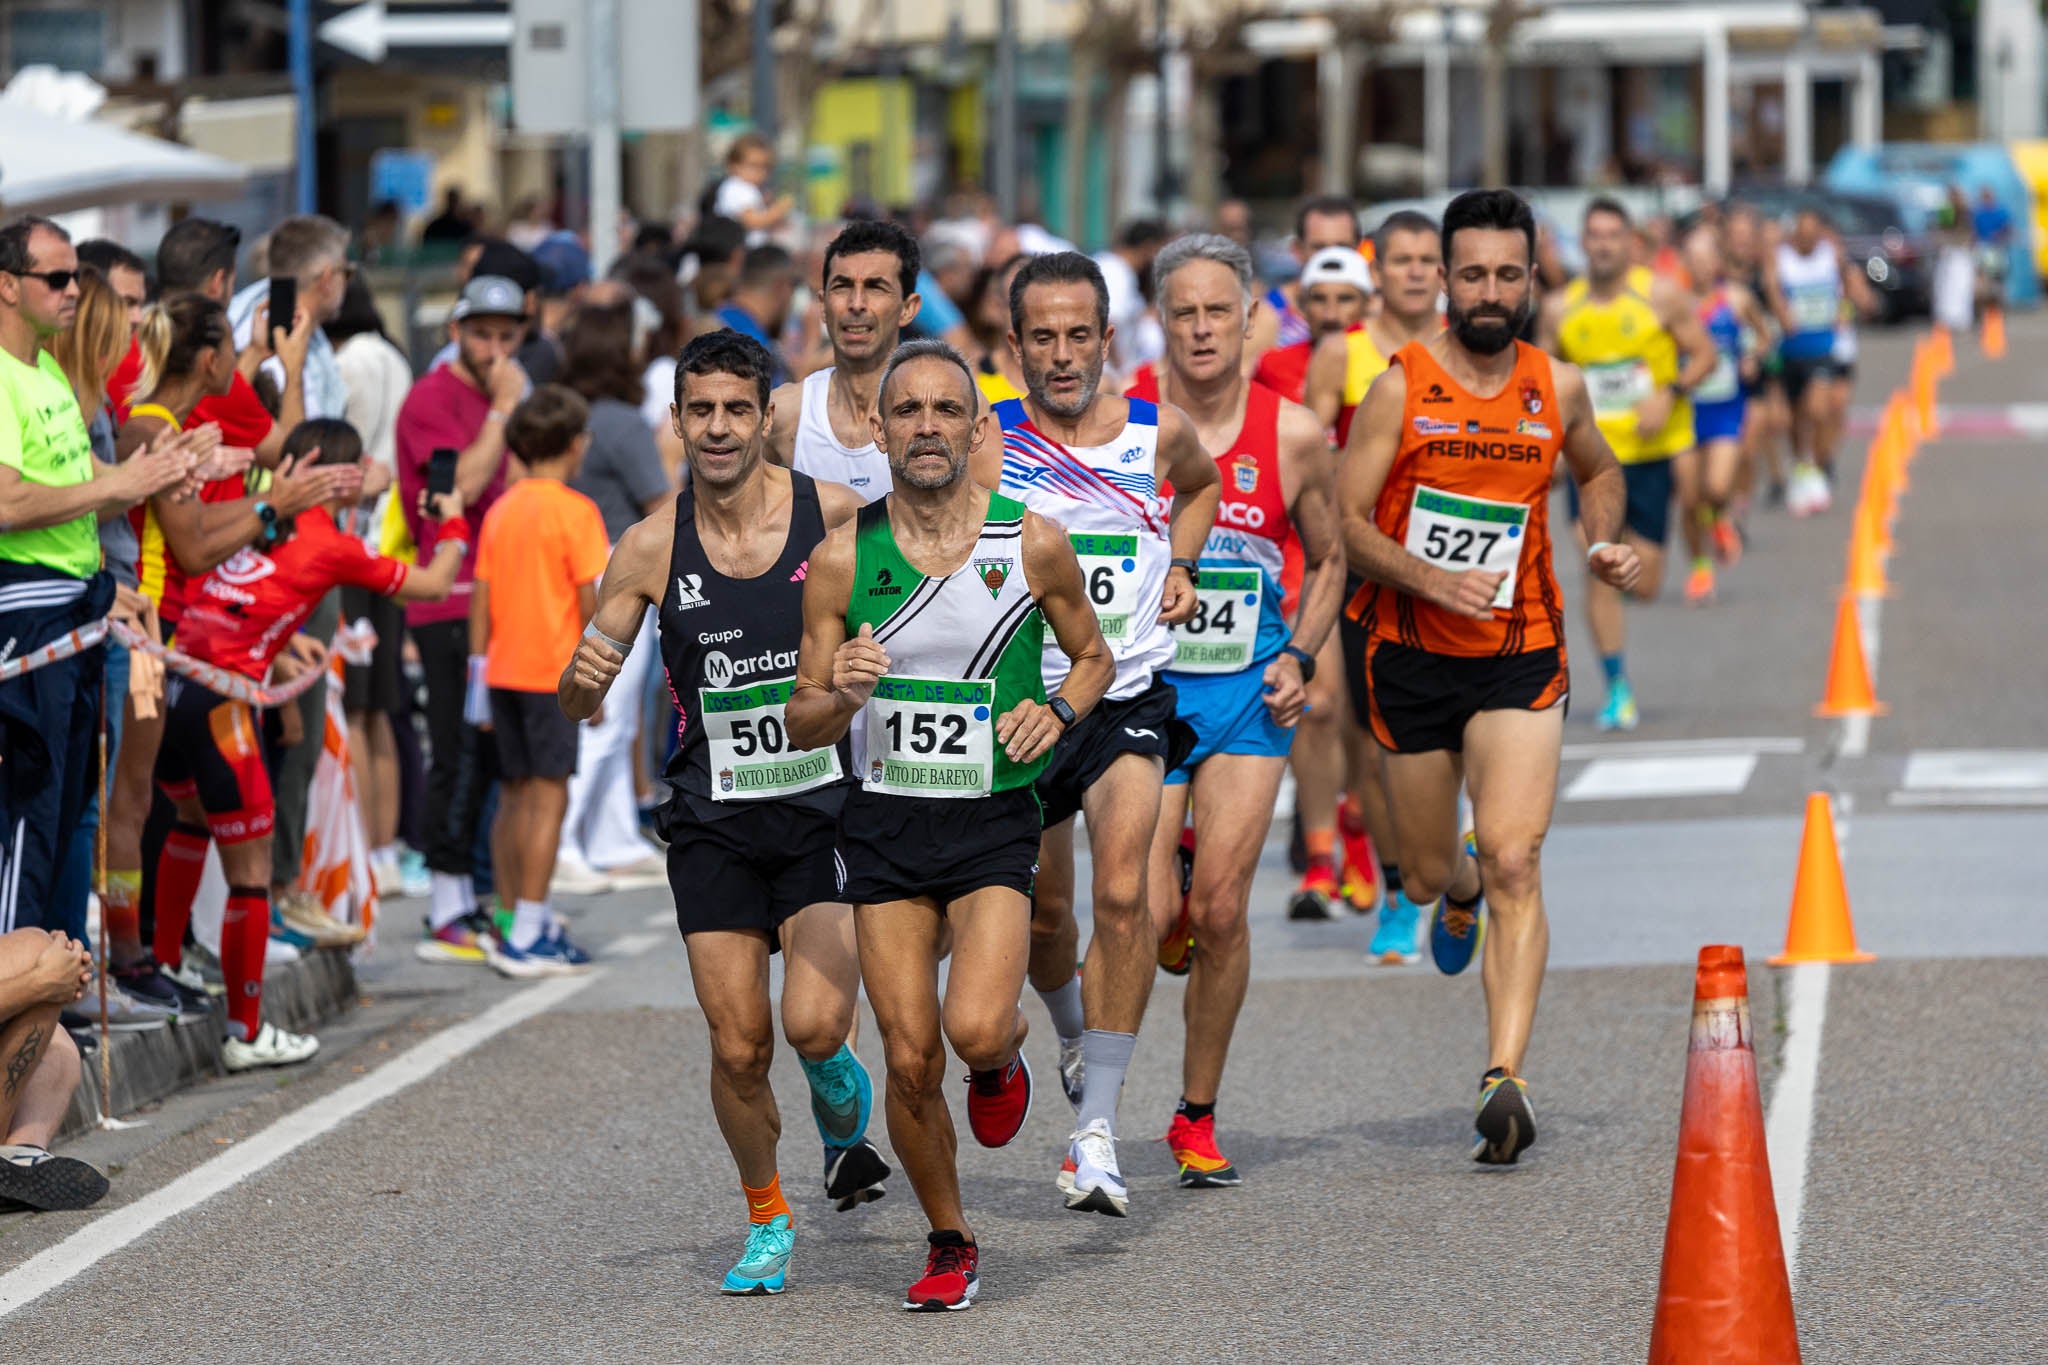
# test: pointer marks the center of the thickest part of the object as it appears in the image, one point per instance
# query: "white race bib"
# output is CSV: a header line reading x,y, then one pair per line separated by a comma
x,y
1460,533
1221,635
751,756
1723,384
1814,308
1618,386
1109,566
931,737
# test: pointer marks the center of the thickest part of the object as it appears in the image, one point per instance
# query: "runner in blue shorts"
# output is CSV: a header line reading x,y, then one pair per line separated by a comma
x,y
1709,473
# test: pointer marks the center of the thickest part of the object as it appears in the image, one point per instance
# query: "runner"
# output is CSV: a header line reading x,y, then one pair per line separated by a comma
x,y
870,296
1466,671
751,822
1707,475
1240,666
1335,290
1807,282
1095,465
1769,418
931,613
1323,221
1643,351
1408,270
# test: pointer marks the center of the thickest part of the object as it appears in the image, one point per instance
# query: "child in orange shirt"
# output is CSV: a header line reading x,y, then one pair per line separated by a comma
x,y
539,556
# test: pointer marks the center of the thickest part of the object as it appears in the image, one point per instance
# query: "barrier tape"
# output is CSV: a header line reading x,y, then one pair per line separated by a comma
x,y
350,641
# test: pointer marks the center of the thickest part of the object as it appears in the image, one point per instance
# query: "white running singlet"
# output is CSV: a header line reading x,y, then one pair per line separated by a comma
x,y
817,451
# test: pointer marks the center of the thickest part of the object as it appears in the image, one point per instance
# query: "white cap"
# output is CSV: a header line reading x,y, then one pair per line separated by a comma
x,y
1337,265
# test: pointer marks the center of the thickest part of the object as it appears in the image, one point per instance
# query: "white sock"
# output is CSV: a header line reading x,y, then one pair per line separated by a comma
x,y
529,922
451,898
1064,1005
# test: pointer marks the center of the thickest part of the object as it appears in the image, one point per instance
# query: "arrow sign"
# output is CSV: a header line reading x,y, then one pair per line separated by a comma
x,y
370,30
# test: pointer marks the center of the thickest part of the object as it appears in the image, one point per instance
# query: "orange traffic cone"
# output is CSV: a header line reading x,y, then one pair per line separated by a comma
x,y
1848,691
1923,399
1723,1295
1944,353
1992,336
1820,929
1866,561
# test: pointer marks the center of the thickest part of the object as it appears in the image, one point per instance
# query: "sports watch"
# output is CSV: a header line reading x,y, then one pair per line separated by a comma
x,y
1302,657
267,514
1059,707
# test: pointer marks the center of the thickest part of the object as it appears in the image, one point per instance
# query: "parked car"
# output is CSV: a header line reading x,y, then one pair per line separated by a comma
x,y
1893,241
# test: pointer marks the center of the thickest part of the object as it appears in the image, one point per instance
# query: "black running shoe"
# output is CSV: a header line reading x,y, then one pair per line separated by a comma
x,y
854,1175
149,982
1506,1122
41,1180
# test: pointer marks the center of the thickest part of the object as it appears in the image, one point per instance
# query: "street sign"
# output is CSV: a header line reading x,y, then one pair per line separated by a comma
x,y
372,29
656,66
402,175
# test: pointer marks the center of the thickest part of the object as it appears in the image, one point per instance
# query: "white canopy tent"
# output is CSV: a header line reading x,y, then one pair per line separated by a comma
x,y
50,165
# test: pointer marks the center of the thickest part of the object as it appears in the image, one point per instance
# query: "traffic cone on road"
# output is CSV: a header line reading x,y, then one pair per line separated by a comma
x,y
1992,335
1944,352
1723,1296
1820,929
1849,692
1866,559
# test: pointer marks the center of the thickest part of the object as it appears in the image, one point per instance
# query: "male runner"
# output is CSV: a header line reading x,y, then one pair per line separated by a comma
x,y
1335,291
1323,221
752,822
1809,282
1639,342
1707,477
1408,272
1445,508
931,613
870,296
1240,666
1096,465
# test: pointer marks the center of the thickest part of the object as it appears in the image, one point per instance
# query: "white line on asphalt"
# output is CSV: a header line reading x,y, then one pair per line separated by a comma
x,y
1673,748
1975,769
52,1268
630,945
1788,1129
1641,779
661,919
1970,798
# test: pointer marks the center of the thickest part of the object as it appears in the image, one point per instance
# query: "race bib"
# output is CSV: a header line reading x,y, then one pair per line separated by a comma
x,y
751,756
1723,384
1109,566
1618,386
1219,638
931,737
1813,309
1459,533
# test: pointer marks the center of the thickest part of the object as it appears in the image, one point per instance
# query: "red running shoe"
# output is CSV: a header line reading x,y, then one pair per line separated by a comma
x,y
1202,1167
998,1102
1357,844
950,1281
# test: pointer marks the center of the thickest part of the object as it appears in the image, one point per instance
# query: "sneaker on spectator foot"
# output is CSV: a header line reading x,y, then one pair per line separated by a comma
x,y
272,1046
302,910
647,872
44,1180
459,941
147,981
125,1013
415,882
574,877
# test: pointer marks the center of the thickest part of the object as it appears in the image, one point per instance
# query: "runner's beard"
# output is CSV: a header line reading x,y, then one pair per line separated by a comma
x,y
1091,383
926,483
1489,331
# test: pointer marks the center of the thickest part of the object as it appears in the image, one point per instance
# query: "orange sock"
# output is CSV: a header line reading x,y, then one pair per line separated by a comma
x,y
763,1204
1320,844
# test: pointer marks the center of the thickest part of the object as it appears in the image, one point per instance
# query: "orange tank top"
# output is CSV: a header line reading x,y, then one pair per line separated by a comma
x,y
1469,489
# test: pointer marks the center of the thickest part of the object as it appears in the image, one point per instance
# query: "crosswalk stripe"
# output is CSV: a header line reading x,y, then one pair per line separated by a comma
x,y
1618,779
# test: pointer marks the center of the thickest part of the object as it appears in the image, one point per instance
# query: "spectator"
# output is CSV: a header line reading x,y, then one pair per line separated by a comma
x,y
651,279
653,239
530,223
539,557
622,473
743,194
1234,220
539,354
380,240
52,494
564,281
709,269
124,271
378,379
462,406
40,974
996,370
759,307
1125,267
451,224
313,251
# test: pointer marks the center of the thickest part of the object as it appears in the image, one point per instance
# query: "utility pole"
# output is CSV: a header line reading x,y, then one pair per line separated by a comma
x,y
299,48
601,54
1163,181
1006,110
764,68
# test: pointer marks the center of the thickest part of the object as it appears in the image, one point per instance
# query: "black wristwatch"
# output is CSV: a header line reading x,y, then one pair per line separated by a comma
x,y
1679,390
267,514
1194,569
1304,658
1058,706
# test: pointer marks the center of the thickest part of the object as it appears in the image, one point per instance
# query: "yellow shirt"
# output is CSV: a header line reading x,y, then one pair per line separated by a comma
x,y
1626,355
994,387
1363,363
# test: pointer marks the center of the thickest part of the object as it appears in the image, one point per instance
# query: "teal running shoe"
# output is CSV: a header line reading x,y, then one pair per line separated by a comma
x,y
1397,940
766,1260
842,1097
1620,711
1506,1122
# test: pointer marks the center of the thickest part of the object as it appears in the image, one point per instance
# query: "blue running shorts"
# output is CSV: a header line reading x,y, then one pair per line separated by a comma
x,y
1228,714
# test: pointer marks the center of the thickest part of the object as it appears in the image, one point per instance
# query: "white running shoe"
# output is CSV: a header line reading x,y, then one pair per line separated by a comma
x,y
573,877
271,1046
125,1013
1098,1186
1806,492
1072,1070
641,875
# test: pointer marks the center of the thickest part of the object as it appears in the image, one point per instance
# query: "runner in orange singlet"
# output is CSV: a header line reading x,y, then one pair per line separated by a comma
x,y
1445,496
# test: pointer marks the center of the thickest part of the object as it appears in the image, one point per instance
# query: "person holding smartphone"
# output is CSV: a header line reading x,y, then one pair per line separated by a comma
x,y
461,408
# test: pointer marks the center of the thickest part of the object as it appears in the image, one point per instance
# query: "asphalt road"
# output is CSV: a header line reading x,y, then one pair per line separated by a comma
x,y
559,1190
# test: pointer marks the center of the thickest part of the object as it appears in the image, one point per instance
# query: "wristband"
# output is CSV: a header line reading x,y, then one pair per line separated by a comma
x,y
591,632
455,528
1192,566
1596,547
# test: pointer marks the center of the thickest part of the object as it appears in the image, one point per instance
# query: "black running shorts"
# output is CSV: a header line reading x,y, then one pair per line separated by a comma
x,y
1144,724
1646,515
378,685
1421,702
751,869
534,738
899,848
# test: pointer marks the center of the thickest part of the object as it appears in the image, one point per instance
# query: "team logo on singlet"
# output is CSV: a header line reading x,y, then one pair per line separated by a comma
x,y
1245,469
1429,426
245,566
1536,429
689,592
1532,397
994,573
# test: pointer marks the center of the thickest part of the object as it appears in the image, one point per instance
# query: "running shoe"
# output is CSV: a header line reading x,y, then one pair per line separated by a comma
x,y
301,910
272,1046
1361,889
1193,1145
1727,540
950,1279
764,1264
1699,584
1808,493
147,981
573,958
842,1097
1311,900
281,932
43,1180
1361,859
1072,1071
1506,1122
1098,1186
854,1175
575,878
1620,711
415,881
124,1013
549,955
641,875
1455,935
998,1102
193,979
1397,940
458,941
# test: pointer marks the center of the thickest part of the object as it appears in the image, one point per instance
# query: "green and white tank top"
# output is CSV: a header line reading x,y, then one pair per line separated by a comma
x,y
963,649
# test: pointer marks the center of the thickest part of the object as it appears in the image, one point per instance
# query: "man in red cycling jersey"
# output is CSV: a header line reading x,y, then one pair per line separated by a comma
x,y
241,617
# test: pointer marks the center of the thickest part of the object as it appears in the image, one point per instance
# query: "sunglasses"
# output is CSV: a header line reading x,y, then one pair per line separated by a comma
x,y
57,280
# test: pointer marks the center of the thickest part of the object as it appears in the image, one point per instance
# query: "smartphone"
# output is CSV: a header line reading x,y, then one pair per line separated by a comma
x,y
284,301
441,472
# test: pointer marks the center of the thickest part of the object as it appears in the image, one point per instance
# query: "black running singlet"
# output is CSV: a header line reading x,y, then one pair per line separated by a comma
x,y
729,646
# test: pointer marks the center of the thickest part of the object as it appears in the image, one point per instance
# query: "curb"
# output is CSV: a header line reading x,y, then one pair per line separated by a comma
x,y
150,1065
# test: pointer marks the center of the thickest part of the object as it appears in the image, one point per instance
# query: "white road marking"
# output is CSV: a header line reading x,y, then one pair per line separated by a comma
x,y
629,945
1976,769
1678,748
1788,1127
661,919
1620,779
117,1228
1970,798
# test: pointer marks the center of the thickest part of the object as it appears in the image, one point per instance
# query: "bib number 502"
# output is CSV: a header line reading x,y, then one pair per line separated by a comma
x,y
1456,545
765,736
929,734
